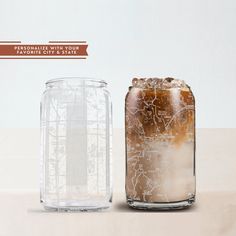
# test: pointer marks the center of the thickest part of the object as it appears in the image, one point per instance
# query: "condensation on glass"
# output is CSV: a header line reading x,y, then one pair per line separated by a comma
x,y
160,144
76,145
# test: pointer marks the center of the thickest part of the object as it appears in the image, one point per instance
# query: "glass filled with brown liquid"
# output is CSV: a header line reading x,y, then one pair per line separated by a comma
x,y
160,144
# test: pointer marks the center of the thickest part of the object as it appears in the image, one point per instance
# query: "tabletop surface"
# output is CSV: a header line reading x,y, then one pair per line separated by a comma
x,y
213,214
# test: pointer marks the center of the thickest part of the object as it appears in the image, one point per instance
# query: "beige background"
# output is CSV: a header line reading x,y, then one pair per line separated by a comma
x,y
213,214
216,159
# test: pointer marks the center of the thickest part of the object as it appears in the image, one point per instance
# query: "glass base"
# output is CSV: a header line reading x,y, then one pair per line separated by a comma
x,y
161,205
76,206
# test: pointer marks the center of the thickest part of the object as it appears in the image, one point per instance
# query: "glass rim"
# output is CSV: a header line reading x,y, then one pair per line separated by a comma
x,y
99,82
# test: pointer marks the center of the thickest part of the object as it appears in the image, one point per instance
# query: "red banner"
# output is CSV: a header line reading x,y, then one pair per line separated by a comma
x,y
61,50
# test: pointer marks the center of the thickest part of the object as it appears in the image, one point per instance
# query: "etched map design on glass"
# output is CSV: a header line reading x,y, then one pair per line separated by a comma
x,y
160,141
76,145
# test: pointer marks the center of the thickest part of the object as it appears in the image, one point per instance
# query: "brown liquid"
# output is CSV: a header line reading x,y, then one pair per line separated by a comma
x,y
160,141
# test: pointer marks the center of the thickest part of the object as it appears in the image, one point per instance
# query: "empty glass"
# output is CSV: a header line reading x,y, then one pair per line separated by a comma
x,y
76,145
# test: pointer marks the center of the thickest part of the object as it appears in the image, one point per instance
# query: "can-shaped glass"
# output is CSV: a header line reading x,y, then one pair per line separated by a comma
x,y
160,144
76,122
